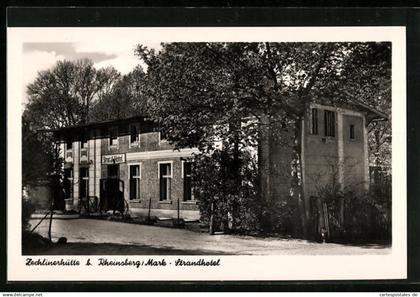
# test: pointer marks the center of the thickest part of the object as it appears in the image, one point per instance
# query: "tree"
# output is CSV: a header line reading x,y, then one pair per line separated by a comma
x,y
200,92
370,68
126,99
37,156
60,97
193,98
63,96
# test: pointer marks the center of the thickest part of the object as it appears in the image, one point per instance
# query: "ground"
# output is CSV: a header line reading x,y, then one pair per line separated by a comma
x,y
102,237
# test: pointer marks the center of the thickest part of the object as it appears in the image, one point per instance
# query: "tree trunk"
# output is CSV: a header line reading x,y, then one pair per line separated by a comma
x,y
236,173
211,223
297,182
264,168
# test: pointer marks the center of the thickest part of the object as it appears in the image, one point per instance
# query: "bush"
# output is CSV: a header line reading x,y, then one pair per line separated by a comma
x,y
28,208
367,216
230,185
285,217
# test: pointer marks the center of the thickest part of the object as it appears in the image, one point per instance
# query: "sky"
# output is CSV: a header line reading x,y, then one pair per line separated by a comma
x,y
39,56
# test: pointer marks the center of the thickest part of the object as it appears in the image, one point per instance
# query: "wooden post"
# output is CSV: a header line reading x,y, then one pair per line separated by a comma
x,y
211,228
150,205
52,211
327,225
178,212
341,203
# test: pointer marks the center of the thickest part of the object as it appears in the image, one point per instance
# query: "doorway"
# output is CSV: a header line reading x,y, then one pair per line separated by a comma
x,y
114,171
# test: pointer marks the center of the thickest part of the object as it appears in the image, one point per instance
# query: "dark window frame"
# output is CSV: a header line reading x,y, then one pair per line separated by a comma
x,y
329,123
163,137
113,138
134,137
314,121
186,175
352,132
68,183
84,141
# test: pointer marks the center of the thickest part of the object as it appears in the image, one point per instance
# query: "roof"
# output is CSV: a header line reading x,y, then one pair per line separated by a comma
x,y
374,113
79,130
104,123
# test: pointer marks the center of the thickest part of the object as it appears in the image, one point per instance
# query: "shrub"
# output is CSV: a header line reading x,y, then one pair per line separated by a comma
x,y
230,185
28,208
285,217
366,216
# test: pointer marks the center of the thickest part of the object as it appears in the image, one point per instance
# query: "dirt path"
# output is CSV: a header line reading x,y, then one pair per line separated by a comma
x,y
160,239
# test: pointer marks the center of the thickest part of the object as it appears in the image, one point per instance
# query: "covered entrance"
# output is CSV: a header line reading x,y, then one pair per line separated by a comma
x,y
112,191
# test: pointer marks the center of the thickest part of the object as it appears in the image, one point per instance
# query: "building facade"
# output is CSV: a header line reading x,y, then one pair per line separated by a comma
x,y
149,174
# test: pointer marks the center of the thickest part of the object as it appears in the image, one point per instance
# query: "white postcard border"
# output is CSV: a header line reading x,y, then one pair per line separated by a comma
x,y
355,267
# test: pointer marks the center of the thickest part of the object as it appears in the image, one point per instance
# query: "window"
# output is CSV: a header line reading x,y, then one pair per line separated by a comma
x,y
329,123
134,135
314,121
113,136
352,134
84,182
134,182
165,176
84,141
188,195
69,143
68,183
162,135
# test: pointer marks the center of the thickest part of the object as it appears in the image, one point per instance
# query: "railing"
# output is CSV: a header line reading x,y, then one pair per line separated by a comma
x,y
89,204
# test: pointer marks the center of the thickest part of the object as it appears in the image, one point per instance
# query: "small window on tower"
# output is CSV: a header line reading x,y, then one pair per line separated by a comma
x,y
352,134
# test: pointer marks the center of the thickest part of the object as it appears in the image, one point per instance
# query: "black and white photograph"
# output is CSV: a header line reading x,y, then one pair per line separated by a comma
x,y
189,150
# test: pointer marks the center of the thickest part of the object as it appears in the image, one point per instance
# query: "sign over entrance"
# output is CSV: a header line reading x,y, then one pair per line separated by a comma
x,y
113,159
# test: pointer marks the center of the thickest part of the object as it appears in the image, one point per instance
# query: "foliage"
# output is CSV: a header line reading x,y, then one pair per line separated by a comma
x,y
70,93
367,215
36,156
63,95
222,82
236,205
284,216
28,209
40,158
201,92
126,99
370,69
